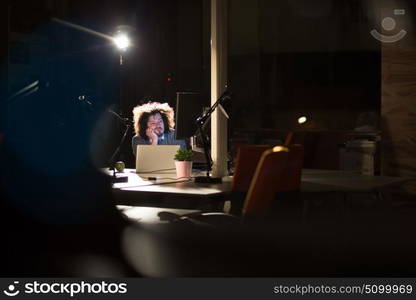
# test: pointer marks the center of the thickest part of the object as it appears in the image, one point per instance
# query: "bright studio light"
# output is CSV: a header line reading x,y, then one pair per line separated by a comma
x,y
302,120
122,41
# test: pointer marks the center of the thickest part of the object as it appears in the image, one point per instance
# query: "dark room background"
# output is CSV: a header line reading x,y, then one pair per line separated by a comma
x,y
314,58
287,58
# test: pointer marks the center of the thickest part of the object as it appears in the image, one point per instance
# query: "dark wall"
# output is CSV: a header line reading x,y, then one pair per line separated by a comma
x,y
295,57
168,43
170,52
286,58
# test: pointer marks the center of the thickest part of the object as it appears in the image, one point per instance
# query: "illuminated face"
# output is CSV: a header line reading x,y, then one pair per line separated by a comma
x,y
156,123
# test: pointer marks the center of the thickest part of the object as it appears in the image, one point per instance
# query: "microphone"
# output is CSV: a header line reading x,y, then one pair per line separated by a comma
x,y
200,121
226,95
126,121
84,98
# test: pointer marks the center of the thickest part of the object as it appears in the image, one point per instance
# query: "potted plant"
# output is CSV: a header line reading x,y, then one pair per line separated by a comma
x,y
183,163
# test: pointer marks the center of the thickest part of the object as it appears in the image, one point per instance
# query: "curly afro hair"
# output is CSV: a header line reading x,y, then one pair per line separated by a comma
x,y
142,113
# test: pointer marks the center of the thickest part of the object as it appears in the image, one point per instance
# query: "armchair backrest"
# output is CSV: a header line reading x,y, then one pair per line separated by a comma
x,y
246,163
269,173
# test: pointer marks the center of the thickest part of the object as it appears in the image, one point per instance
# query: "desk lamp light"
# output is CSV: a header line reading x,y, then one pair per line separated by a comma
x,y
288,139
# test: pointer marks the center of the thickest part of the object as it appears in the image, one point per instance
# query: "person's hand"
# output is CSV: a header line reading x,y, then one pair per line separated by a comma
x,y
152,136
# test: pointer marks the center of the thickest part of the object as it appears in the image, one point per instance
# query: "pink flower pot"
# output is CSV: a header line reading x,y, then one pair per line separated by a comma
x,y
183,169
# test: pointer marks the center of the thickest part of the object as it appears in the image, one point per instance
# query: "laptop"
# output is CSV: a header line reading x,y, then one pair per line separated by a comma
x,y
156,159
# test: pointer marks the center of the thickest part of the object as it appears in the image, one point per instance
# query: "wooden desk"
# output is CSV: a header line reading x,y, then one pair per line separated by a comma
x,y
314,180
338,195
186,194
169,192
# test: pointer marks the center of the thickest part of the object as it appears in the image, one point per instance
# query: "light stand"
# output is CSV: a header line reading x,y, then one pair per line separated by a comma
x,y
25,91
200,122
122,41
112,160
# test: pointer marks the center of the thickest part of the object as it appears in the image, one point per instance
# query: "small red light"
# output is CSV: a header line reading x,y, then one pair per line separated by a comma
x,y
169,79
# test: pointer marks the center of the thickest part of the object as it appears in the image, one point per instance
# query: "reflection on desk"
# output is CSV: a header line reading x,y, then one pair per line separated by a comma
x,y
146,179
168,191
151,214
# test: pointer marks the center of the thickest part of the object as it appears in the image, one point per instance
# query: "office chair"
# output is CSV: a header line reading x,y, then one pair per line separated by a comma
x,y
289,205
246,162
269,172
248,158
261,192
245,165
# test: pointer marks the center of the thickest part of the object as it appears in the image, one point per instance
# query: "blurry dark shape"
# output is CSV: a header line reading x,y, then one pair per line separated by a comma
x,y
370,246
47,132
47,221
55,205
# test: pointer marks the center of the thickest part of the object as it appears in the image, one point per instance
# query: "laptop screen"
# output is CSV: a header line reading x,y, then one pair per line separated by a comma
x,y
156,158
